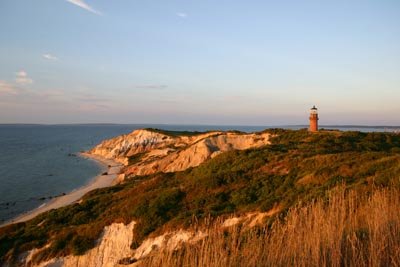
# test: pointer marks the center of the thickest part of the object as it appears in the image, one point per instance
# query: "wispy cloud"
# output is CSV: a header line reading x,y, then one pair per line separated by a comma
x,y
22,78
7,88
151,86
82,4
182,14
49,57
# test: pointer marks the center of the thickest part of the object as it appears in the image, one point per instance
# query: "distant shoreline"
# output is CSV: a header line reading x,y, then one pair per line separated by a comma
x,y
112,167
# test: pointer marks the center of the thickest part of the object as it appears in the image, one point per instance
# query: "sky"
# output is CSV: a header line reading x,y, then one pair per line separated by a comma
x,y
222,62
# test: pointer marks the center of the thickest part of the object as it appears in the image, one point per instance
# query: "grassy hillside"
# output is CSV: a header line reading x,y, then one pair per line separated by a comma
x,y
347,228
296,167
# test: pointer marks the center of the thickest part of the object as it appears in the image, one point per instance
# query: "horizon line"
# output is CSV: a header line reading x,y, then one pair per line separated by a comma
x,y
201,124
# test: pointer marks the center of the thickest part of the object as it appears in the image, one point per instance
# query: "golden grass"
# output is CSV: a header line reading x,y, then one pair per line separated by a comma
x,y
344,229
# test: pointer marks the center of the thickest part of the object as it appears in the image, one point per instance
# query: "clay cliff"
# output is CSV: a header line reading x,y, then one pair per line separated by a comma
x,y
147,151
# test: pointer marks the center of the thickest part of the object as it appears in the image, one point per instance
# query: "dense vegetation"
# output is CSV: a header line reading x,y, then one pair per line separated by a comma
x,y
184,133
175,133
297,166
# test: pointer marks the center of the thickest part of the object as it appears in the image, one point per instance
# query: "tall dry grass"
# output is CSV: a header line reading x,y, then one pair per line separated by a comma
x,y
344,229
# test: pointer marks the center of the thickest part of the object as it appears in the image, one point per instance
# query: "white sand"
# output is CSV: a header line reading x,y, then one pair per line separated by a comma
x,y
99,181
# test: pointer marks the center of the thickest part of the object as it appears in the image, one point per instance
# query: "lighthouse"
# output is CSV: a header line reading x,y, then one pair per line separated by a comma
x,y
313,119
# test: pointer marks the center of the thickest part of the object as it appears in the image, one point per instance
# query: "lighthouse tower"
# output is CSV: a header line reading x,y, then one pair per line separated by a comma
x,y
313,119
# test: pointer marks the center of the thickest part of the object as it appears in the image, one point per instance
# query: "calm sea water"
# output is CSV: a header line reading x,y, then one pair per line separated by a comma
x,y
38,162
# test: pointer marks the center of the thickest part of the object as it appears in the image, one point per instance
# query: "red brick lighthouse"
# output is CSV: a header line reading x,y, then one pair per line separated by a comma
x,y
313,119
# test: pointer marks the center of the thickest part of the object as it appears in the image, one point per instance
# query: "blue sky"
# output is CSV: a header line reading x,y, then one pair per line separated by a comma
x,y
199,62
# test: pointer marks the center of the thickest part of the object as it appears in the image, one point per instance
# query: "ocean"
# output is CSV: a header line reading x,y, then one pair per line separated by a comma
x,y
39,162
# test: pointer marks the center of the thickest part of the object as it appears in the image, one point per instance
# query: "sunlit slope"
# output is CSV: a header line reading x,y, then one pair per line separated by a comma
x,y
296,167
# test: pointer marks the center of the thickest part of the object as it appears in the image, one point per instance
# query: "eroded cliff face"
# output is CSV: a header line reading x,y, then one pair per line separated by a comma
x,y
122,147
114,248
146,152
114,245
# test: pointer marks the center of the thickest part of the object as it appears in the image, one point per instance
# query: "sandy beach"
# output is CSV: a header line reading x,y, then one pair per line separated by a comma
x,y
112,167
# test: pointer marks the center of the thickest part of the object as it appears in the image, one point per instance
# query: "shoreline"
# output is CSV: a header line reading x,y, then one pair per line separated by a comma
x,y
112,167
